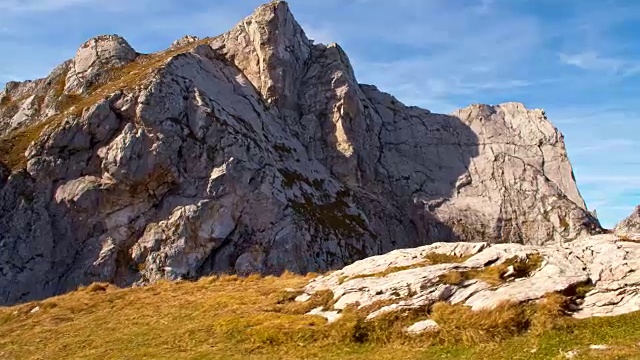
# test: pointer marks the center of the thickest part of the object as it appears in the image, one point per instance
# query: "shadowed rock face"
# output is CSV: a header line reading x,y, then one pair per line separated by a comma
x,y
258,151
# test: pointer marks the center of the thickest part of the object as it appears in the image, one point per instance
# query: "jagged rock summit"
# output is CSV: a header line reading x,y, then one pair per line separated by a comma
x,y
93,58
254,151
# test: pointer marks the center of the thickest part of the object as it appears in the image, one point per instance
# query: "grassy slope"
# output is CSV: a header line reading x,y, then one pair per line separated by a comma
x,y
232,318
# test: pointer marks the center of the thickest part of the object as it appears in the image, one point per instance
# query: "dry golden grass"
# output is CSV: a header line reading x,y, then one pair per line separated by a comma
x,y
436,258
230,317
10,106
495,275
14,145
429,259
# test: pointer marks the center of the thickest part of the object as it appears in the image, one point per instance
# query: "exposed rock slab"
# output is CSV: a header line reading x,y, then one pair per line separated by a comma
x,y
607,263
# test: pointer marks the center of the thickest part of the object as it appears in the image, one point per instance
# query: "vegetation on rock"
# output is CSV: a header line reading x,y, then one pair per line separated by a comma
x,y
495,275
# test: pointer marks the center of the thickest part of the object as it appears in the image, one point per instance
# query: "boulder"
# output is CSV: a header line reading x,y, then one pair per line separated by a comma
x,y
94,58
423,326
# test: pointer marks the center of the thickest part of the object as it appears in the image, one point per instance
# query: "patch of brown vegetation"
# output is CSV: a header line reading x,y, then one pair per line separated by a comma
x,y
495,275
290,178
10,106
432,258
332,216
287,305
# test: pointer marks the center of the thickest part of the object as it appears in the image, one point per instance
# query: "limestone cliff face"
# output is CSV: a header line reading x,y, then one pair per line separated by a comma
x,y
255,151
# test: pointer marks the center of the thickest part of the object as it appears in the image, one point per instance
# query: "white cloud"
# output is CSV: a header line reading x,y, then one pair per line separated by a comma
x,y
39,5
485,6
320,34
604,145
591,60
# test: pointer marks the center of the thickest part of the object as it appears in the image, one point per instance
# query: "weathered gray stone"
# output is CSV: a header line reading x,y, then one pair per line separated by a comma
x,y
258,151
185,40
24,103
94,57
608,263
331,316
423,326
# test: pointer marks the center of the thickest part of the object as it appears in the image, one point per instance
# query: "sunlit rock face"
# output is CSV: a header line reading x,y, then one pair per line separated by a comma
x,y
483,276
255,151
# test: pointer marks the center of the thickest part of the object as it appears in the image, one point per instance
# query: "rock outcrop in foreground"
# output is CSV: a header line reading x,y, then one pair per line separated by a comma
x,y
602,271
254,151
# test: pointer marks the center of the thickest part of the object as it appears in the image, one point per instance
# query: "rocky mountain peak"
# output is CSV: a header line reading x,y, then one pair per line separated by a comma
x,y
94,57
185,40
255,151
271,48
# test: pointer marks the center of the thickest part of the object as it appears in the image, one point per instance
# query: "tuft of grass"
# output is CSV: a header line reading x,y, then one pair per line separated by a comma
x,y
456,277
580,290
97,287
434,258
287,296
550,313
322,299
495,275
460,324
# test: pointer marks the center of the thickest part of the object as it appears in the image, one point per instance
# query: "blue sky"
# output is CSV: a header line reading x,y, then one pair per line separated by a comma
x,y
577,59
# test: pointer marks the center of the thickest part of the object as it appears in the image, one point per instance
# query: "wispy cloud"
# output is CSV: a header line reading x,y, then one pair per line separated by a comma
x,y
623,180
605,145
321,33
39,5
591,60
